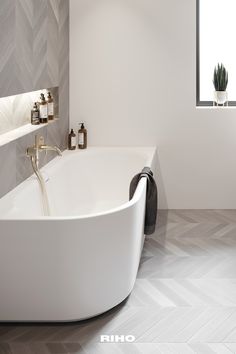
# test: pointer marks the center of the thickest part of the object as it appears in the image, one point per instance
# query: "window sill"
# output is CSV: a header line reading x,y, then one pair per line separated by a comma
x,y
217,108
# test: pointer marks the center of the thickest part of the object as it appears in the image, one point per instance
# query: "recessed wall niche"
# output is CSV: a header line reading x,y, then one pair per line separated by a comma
x,y
15,111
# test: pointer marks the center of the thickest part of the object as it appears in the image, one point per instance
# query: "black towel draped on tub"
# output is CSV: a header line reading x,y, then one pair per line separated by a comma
x,y
151,199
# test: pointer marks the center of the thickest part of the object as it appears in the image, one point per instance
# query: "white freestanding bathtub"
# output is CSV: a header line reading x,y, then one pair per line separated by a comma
x,y
83,259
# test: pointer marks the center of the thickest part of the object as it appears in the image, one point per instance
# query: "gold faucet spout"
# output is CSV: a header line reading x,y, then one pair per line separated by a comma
x,y
50,148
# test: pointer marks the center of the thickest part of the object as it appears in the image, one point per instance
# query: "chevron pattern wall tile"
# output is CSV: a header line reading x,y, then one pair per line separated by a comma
x,y
64,70
40,72
23,46
23,168
53,41
183,300
34,54
29,45
7,45
7,175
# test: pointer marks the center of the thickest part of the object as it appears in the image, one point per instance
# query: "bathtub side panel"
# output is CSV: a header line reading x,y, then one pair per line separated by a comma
x,y
69,269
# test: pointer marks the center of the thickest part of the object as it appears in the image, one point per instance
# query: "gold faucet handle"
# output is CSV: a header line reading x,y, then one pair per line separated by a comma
x,y
34,150
39,141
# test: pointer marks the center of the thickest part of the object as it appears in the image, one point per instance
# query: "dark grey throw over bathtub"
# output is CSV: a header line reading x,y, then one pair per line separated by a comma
x,y
151,199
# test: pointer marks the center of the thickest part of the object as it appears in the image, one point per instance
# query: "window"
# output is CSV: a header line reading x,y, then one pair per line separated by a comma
x,y
216,43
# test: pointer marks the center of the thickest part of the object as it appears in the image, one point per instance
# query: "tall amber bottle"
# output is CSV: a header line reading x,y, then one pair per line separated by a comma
x,y
82,137
50,103
43,109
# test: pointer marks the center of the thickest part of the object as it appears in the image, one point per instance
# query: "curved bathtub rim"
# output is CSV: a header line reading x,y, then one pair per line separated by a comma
x,y
152,152
141,185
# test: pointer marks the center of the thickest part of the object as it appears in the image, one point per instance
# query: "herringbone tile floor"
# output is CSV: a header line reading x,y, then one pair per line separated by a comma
x,y
184,300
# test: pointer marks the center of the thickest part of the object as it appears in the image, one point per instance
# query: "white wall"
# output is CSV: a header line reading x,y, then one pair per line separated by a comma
x,y
133,82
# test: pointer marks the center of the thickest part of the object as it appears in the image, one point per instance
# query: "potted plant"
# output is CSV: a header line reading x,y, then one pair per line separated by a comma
x,y
220,81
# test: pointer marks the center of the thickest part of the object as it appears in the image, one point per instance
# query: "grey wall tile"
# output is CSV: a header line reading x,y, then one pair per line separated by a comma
x,y
24,40
64,70
30,45
7,45
40,45
8,168
53,45
23,164
34,54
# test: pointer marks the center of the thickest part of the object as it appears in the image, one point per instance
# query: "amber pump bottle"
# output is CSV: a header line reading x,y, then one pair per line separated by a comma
x,y
43,109
35,115
72,140
50,103
82,137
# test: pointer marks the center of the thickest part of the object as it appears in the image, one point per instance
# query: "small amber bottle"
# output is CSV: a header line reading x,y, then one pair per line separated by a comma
x,y
35,115
50,103
72,140
43,109
82,137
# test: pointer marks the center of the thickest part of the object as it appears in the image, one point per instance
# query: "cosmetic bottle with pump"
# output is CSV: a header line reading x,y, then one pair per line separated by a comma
x,y
50,103
35,120
82,137
43,109
72,140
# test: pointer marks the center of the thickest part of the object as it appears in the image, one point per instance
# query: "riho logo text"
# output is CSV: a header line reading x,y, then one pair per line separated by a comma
x,y
117,338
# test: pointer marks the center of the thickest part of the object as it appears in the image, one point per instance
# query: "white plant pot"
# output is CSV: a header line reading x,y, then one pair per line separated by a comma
x,y
221,97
